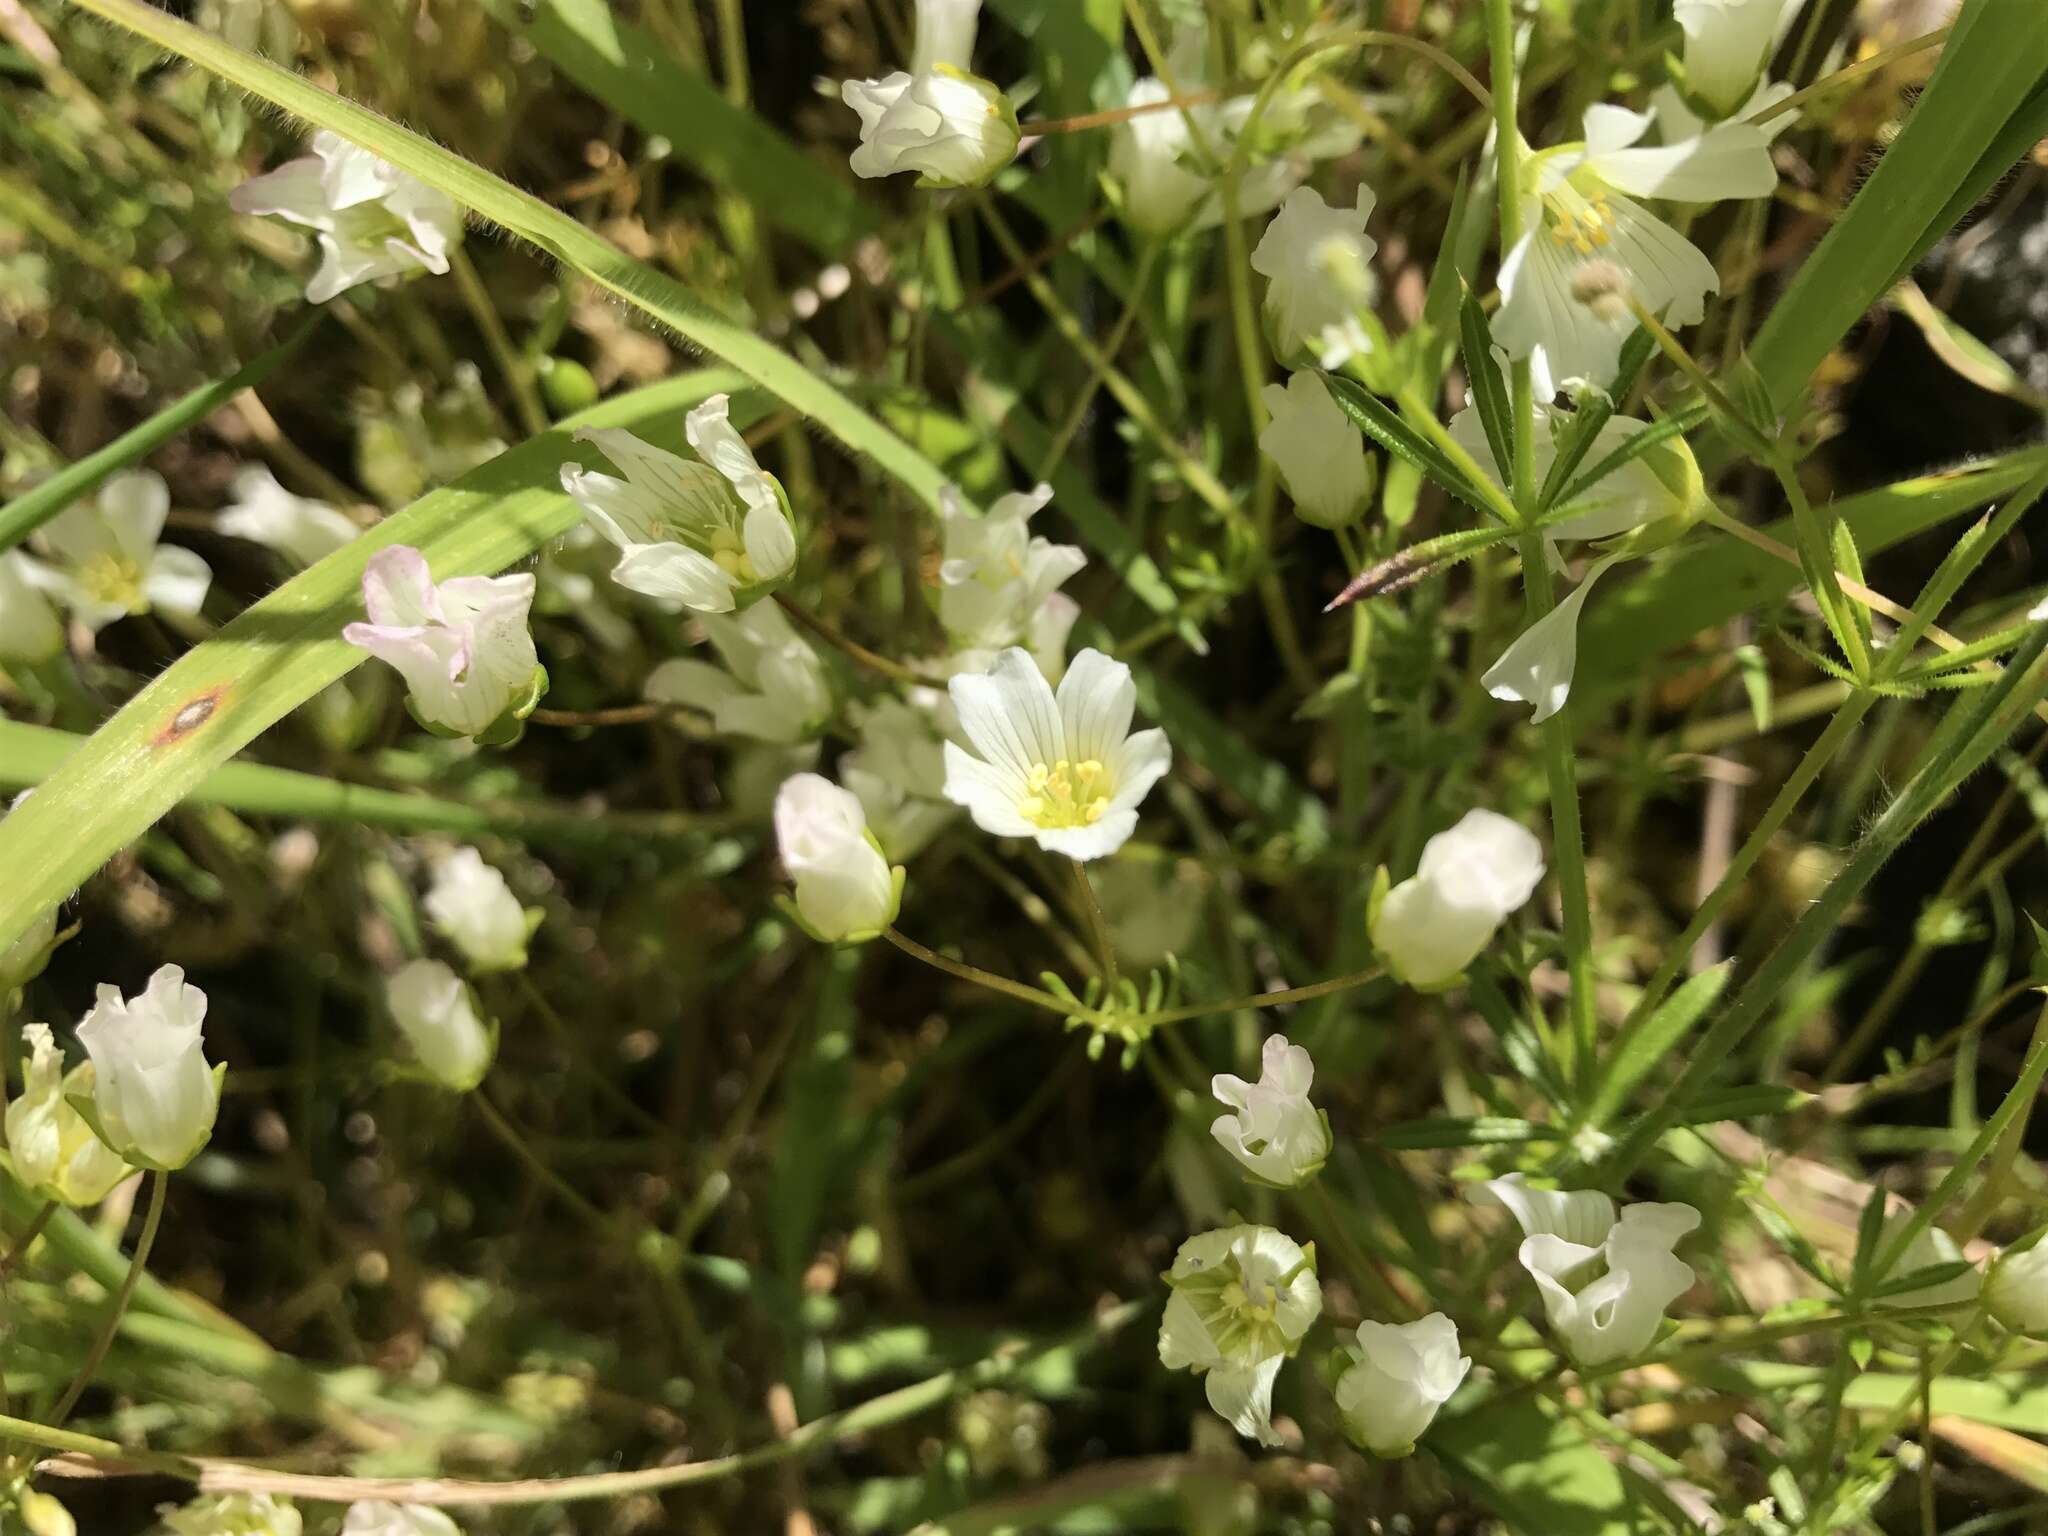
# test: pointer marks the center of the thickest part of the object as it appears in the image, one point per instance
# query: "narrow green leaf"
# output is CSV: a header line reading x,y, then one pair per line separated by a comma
x,y
1677,424
665,300
220,696
1386,428
1462,1131
1636,1055
29,511
1488,389
1748,1103
1590,417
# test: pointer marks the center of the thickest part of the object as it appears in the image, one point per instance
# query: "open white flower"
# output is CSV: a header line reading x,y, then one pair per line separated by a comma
x,y
1660,483
1727,43
1064,771
1318,264
372,220
899,772
153,1094
1403,1374
104,559
300,528
1606,1278
996,575
1242,1298
374,1517
29,627
845,889
432,1005
1276,1132
1538,666
953,128
1320,454
2016,1290
462,646
701,533
773,687
55,1152
1930,1246
1430,927
474,908
1580,213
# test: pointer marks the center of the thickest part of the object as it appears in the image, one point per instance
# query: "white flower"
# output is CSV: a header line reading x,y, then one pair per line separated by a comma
x,y
105,560
1276,1133
1430,927
1242,1298
1403,1374
899,772
1537,667
1726,45
232,1514
1064,771
845,889
474,908
374,1517
432,1005
995,576
1930,1247
953,128
462,646
1320,454
1605,1279
29,627
1046,638
153,1094
1662,482
1145,156
2017,1290
371,219
772,688
1317,260
55,1152
1676,120
945,34
696,532
301,529
1577,216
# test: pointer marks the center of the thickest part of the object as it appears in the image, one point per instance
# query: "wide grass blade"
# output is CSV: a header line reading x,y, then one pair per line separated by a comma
x,y
553,231
220,696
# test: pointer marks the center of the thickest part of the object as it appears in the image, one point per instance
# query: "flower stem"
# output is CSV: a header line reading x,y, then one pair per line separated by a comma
x,y
159,1184
1264,999
1098,925
22,1243
974,973
873,661
518,374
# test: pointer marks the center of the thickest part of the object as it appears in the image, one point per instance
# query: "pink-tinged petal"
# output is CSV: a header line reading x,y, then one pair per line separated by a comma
x,y
398,588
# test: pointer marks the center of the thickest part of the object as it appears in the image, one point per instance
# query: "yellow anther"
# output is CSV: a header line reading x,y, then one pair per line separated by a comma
x,y
112,579
1096,808
1031,808
1089,771
1037,777
1051,799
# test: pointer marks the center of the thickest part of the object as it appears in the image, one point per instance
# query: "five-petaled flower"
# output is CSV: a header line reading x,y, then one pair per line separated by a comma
x,y
462,646
1317,261
1401,1374
772,688
103,559
1279,1136
995,576
1242,1298
152,1095
953,128
1471,876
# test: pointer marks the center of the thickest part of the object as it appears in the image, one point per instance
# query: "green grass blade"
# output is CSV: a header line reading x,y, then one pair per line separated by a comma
x,y
548,228
1992,63
29,511
1488,389
625,68
220,696
1636,1055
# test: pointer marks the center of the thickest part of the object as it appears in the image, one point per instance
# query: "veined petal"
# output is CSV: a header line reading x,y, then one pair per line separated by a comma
x,y
1537,668
176,580
1096,701
770,542
134,505
1098,840
1243,1397
1009,714
1583,1216
1729,160
988,792
675,573
1139,764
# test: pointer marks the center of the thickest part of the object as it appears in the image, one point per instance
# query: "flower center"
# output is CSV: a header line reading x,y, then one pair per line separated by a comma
x,y
1064,795
1253,1307
1585,225
730,556
114,579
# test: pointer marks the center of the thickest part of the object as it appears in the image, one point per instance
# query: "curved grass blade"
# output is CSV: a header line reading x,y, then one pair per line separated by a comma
x,y
548,228
1482,378
30,510
221,695
1675,425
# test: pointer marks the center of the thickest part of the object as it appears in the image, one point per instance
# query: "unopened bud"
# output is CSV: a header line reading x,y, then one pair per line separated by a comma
x,y
1603,288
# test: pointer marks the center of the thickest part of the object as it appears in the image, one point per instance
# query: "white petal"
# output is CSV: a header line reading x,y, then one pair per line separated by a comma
x,y
675,573
1243,1397
1009,714
176,580
1096,699
1537,668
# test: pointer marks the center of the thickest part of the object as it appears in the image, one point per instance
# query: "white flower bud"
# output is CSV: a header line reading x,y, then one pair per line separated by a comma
x,y
1243,1298
1276,1133
1317,260
1429,928
952,128
55,1152
2017,1290
1727,43
153,1093
1403,1375
845,889
372,220
432,1005
462,646
475,910
301,529
1320,454
374,1517
29,627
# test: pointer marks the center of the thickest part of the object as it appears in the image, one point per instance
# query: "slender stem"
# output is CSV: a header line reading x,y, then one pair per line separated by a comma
x,y
981,978
518,374
1851,72
1115,115
137,1265
860,653
22,1243
1264,999
1507,134
622,714
1098,925
560,1187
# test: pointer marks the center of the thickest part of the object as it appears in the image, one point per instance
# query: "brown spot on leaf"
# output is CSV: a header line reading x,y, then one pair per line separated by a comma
x,y
192,714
